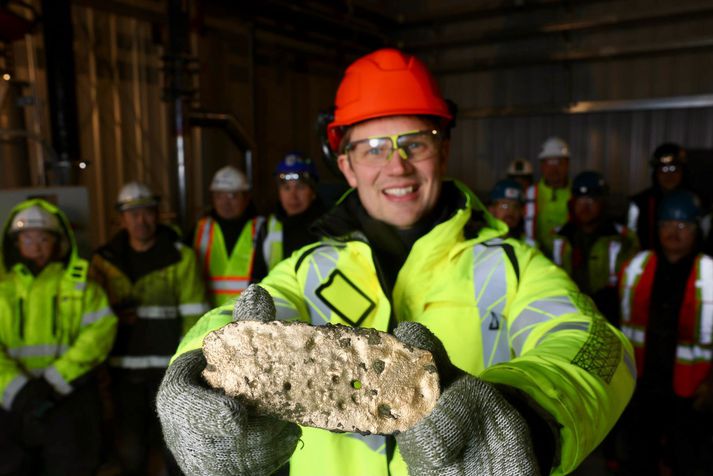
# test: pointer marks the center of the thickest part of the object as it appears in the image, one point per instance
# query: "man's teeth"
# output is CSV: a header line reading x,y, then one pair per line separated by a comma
x,y
399,192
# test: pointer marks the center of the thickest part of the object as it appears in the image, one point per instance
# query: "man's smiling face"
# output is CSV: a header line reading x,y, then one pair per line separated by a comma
x,y
398,192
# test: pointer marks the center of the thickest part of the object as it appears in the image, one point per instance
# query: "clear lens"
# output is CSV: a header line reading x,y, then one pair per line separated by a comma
x,y
671,225
414,146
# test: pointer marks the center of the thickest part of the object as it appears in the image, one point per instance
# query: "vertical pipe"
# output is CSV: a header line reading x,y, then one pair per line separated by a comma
x,y
59,58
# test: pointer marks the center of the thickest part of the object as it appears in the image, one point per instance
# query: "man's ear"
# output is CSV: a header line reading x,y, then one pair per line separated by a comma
x,y
345,166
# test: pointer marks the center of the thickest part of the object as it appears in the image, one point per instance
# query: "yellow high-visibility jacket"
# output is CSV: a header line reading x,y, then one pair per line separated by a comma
x,y
503,311
156,309
56,325
546,209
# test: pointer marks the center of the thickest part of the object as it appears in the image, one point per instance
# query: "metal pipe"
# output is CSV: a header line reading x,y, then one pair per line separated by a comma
x,y
59,58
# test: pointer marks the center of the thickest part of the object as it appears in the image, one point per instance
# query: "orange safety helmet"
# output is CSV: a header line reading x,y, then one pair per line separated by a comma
x,y
384,83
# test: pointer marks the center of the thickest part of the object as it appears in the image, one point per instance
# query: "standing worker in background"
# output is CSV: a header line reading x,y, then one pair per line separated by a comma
x,y
667,313
56,327
542,375
591,247
156,289
288,229
224,238
507,201
547,200
668,173
520,171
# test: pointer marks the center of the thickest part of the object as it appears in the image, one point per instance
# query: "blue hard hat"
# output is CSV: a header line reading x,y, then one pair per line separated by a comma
x,y
295,166
680,205
589,183
507,189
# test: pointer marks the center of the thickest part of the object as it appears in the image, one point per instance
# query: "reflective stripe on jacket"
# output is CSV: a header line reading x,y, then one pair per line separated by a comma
x,y
519,322
272,244
695,320
57,324
226,275
155,311
606,257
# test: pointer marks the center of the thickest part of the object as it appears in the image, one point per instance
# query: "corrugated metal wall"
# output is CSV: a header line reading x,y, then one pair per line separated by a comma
x,y
495,59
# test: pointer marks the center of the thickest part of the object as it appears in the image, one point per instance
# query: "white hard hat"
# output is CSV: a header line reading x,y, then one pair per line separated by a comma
x,y
229,179
135,195
35,218
519,167
554,147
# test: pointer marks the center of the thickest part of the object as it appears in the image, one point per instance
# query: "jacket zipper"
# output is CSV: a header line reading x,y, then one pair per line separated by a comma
x,y
21,313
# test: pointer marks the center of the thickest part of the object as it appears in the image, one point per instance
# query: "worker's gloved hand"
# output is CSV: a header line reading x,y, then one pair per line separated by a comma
x,y
35,399
471,430
211,434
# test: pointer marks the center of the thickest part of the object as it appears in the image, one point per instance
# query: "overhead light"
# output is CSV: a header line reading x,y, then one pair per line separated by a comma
x,y
6,76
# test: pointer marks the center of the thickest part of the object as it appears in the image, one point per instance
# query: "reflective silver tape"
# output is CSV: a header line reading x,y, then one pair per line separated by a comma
x,y
321,264
632,217
12,389
548,309
614,249
557,246
140,362
52,375
205,237
633,271
285,310
490,291
693,353
192,309
157,312
42,350
705,289
91,317
376,443
235,285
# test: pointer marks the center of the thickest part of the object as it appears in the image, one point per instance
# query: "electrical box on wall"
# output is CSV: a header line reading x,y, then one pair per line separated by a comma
x,y
73,201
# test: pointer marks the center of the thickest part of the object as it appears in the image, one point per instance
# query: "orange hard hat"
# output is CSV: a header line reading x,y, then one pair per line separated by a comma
x,y
384,83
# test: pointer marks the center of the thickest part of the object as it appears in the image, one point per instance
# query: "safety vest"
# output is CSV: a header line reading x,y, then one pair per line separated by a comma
x,y
545,210
57,324
490,301
227,275
602,272
695,319
272,244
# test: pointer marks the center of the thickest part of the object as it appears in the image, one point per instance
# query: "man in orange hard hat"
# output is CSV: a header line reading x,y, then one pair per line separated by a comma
x,y
536,376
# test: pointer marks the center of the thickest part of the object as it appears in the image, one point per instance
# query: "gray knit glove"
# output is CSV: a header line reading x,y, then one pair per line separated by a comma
x,y
472,430
211,434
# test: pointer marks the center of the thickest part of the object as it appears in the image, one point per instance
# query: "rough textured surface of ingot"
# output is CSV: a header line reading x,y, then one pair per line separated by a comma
x,y
333,377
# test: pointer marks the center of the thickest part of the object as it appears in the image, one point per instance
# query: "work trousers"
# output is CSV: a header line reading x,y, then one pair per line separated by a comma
x,y
666,433
64,442
139,440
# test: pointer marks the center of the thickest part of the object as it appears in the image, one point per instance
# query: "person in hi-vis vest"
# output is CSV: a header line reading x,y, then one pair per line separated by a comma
x,y
667,313
156,290
533,377
224,238
56,328
591,246
289,227
546,206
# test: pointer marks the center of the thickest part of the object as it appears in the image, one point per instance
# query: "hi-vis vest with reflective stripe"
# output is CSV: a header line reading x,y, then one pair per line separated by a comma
x,y
617,249
535,333
227,275
272,244
695,319
543,214
56,325
154,311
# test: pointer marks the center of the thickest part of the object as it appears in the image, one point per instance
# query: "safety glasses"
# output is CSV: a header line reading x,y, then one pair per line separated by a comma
x,y
412,145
